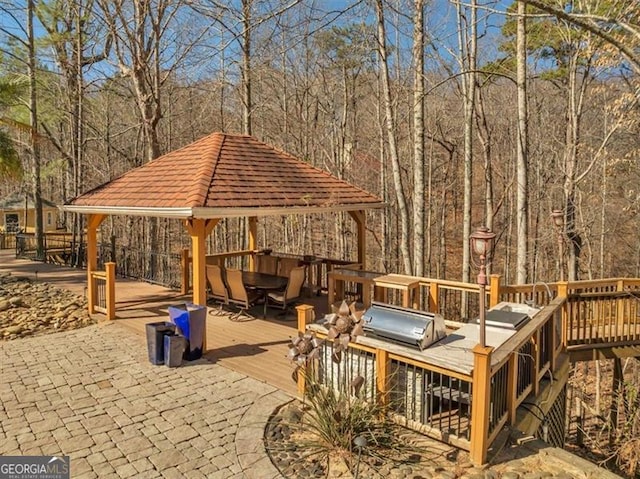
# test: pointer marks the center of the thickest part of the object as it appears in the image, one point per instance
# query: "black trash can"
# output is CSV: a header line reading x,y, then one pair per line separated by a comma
x,y
190,320
174,347
155,340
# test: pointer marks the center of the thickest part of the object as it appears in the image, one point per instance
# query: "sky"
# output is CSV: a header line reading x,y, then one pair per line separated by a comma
x,y
440,20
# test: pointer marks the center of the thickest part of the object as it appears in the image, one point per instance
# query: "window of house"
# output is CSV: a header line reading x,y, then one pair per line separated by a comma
x,y
11,222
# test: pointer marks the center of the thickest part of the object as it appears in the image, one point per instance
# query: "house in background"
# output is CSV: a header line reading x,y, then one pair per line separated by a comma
x,y
18,212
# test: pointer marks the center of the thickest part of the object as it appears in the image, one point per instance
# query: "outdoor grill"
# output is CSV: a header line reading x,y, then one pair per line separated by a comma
x,y
408,327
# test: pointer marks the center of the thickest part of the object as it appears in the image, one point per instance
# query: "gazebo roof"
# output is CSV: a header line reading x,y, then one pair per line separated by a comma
x,y
223,175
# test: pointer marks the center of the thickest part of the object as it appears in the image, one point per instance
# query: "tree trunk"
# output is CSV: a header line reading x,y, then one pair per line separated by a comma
x,y
418,139
467,44
246,67
484,135
522,209
391,138
34,146
575,93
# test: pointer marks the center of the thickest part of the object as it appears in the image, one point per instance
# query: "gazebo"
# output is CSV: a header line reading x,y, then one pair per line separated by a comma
x,y
221,176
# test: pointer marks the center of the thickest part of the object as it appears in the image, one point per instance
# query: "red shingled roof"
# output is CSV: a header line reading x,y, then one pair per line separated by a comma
x,y
224,175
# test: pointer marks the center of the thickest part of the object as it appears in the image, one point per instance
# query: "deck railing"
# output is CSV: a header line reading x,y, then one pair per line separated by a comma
x,y
519,365
437,400
101,291
605,312
7,240
57,246
422,396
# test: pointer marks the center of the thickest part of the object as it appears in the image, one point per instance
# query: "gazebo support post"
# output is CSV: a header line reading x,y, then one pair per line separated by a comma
x,y
253,241
199,229
360,218
93,222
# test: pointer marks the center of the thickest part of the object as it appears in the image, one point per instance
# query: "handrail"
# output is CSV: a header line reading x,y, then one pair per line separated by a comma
x,y
232,254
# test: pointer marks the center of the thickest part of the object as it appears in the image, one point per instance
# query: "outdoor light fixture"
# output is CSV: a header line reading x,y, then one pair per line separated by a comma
x,y
360,442
481,245
558,220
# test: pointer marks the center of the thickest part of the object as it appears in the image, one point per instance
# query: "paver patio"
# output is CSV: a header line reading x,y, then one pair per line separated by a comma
x,y
92,394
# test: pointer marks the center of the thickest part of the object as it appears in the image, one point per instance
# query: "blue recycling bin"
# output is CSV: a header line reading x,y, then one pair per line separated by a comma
x,y
190,320
155,340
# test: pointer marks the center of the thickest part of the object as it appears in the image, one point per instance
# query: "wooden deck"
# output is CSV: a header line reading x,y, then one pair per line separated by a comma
x,y
255,347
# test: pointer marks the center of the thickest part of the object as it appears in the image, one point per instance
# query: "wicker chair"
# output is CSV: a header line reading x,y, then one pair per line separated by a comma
x,y
286,265
267,264
291,293
217,288
238,294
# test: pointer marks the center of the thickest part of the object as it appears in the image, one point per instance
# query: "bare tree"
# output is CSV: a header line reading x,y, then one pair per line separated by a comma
x,y
392,142
522,186
33,123
614,22
467,58
68,28
418,139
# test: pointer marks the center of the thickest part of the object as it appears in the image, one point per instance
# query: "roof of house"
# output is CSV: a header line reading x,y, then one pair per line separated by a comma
x,y
15,202
224,175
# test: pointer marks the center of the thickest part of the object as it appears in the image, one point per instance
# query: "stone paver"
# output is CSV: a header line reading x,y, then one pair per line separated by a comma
x,y
92,394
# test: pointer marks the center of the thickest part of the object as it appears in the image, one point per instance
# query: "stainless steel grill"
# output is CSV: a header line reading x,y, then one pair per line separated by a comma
x,y
409,327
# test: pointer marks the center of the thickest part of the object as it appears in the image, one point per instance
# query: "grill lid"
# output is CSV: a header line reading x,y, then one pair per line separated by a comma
x,y
405,326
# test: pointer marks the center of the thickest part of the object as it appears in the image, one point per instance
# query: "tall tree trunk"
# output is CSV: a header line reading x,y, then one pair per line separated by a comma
x,y
522,210
391,139
418,139
33,123
467,43
246,67
575,101
384,218
484,135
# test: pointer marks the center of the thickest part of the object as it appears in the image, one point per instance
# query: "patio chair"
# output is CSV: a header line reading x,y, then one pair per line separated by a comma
x,y
291,293
217,288
267,264
238,294
286,265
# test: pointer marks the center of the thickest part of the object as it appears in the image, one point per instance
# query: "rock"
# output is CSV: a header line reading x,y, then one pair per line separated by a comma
x,y
34,308
511,475
14,329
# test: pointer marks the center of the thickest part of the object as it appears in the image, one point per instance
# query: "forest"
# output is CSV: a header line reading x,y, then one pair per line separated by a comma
x,y
456,113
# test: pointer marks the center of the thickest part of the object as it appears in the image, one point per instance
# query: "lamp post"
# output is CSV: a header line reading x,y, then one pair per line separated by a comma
x,y
558,220
481,244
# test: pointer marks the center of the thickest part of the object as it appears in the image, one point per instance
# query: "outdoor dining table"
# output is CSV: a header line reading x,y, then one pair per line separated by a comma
x,y
263,282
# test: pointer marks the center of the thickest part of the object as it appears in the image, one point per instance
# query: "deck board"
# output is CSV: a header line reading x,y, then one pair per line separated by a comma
x,y
256,347
253,346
